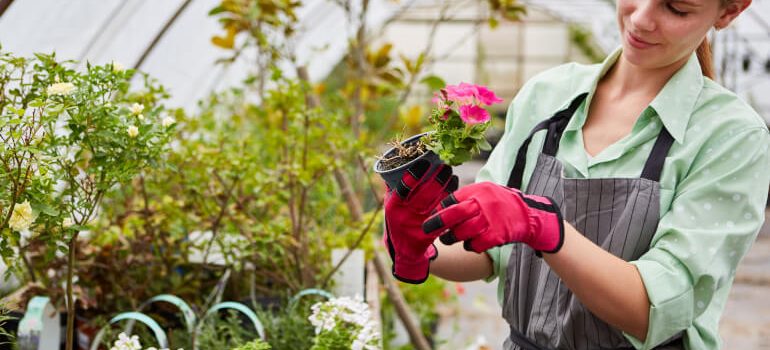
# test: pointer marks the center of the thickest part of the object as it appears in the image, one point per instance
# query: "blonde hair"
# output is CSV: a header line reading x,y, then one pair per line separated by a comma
x,y
705,58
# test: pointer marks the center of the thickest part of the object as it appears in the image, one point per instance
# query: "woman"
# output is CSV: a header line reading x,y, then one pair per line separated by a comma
x,y
644,183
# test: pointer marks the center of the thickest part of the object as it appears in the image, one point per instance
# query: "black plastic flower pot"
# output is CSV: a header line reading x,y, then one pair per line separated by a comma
x,y
393,176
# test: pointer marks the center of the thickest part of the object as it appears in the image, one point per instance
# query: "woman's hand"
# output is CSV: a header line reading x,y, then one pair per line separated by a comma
x,y
485,215
406,207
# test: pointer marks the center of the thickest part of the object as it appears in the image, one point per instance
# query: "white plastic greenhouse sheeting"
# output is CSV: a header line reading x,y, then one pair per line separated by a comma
x,y
184,60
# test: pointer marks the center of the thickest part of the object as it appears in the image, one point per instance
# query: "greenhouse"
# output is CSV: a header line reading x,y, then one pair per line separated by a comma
x,y
276,174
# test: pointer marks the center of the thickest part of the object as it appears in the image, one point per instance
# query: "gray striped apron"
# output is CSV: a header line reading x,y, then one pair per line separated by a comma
x,y
618,214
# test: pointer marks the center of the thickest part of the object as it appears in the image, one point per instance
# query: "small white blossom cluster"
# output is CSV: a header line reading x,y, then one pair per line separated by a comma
x,y
348,312
60,89
117,67
167,121
132,131
136,110
132,343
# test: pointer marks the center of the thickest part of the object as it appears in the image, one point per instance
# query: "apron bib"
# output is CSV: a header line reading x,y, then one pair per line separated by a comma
x,y
618,214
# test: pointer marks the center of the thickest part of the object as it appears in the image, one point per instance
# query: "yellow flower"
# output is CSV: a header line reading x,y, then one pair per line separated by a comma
x,y
167,121
137,108
22,217
61,89
132,131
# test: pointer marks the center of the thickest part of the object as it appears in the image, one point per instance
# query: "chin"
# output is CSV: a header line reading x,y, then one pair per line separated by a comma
x,y
637,58
647,58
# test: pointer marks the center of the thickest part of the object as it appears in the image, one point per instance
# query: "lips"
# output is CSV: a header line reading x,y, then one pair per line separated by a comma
x,y
637,42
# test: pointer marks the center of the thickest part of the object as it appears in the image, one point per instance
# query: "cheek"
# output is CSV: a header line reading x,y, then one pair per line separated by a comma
x,y
686,34
624,10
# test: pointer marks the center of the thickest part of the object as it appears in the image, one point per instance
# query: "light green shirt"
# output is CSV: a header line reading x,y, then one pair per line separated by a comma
x,y
713,187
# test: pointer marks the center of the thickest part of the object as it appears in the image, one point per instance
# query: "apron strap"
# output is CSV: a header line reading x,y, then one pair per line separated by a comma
x,y
654,165
555,126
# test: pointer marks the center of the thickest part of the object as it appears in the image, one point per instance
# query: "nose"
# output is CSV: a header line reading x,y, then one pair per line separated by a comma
x,y
642,17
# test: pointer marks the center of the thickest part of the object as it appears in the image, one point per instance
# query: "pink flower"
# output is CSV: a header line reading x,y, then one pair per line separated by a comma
x,y
470,93
486,96
473,114
461,94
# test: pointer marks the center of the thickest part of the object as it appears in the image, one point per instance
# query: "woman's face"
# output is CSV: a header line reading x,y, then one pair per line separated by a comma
x,y
659,33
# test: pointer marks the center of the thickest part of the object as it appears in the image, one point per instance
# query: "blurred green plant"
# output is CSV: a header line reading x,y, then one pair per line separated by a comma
x,y
288,328
256,344
249,187
6,337
583,40
224,333
68,138
511,10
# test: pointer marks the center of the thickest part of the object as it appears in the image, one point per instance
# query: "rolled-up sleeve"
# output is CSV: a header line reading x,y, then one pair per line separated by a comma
x,y
716,213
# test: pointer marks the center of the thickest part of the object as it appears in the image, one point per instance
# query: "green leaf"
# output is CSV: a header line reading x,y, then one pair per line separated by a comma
x,y
46,209
420,60
433,82
484,145
217,10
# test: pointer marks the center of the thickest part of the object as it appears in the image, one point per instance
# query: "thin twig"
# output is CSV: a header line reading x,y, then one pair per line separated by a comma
x,y
355,246
220,215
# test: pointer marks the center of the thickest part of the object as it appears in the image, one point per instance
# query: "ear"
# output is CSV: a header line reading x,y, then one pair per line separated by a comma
x,y
730,12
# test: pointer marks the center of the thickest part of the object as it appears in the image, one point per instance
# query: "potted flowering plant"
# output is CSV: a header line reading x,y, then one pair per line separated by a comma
x,y
458,120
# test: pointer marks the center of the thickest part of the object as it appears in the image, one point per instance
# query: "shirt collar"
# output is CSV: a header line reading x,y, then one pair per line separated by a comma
x,y
673,104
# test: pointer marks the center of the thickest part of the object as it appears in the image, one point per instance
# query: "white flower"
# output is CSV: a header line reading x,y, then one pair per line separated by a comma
x,y
132,131
140,117
61,89
136,108
117,67
126,343
22,217
167,121
349,313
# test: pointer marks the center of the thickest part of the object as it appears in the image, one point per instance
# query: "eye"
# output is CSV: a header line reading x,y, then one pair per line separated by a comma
x,y
675,11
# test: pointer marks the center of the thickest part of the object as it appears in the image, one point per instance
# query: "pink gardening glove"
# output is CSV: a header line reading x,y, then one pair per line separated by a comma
x,y
486,215
406,207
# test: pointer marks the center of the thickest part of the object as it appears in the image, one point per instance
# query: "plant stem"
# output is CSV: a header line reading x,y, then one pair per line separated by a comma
x,y
70,301
27,263
220,215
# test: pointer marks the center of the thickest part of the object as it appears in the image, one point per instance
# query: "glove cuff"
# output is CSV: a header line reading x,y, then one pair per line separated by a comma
x,y
414,270
549,223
